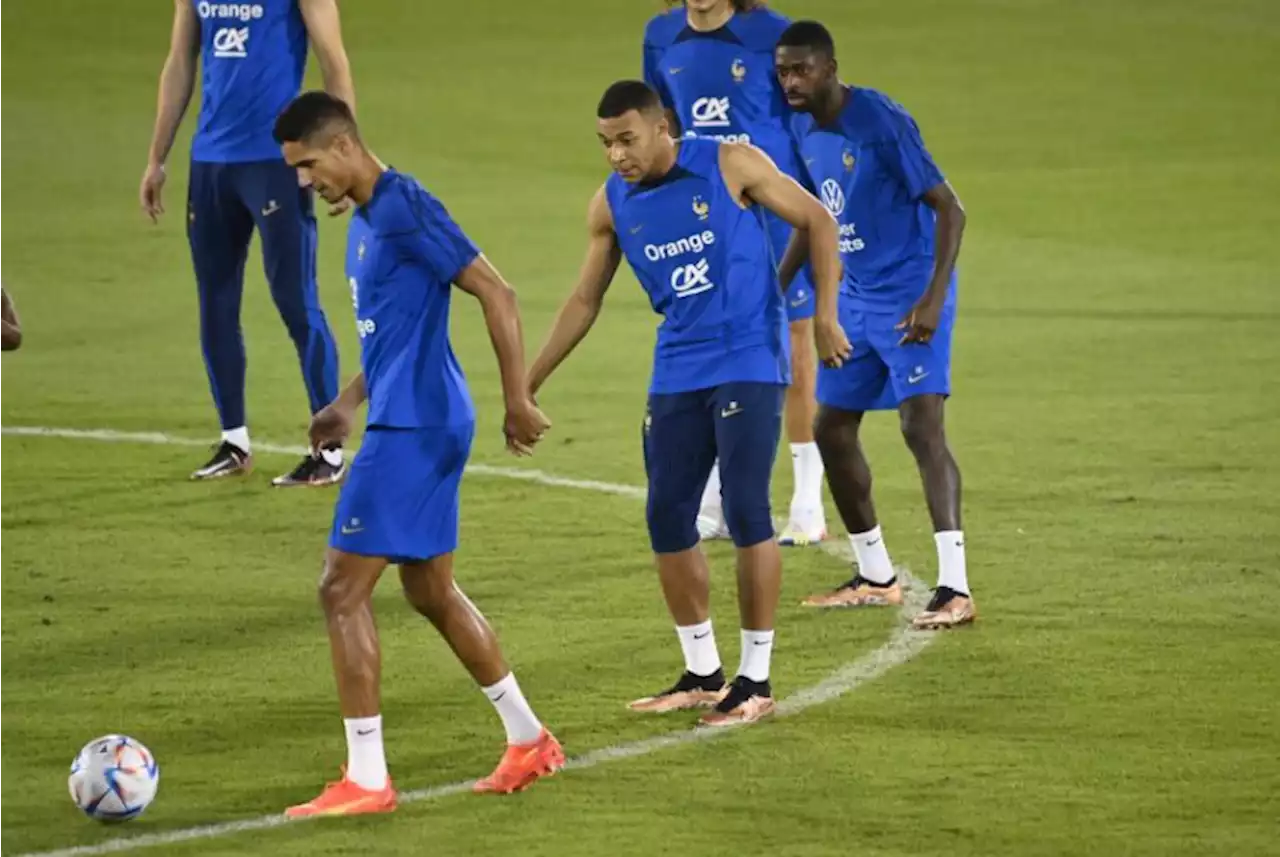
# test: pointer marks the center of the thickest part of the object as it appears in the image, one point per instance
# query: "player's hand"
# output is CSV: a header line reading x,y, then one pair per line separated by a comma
x,y
329,427
524,426
922,322
150,194
342,206
834,348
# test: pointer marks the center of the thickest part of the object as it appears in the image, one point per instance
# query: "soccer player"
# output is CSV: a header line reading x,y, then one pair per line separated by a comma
x,y
400,502
900,228
688,217
252,56
12,328
711,62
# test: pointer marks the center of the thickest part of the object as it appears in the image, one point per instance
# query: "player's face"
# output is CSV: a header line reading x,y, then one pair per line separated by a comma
x,y
634,142
329,169
802,73
703,7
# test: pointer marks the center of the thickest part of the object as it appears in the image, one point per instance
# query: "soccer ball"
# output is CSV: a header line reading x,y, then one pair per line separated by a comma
x,y
114,778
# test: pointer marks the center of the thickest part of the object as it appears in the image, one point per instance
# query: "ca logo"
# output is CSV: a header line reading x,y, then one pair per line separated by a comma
x,y
711,112
230,42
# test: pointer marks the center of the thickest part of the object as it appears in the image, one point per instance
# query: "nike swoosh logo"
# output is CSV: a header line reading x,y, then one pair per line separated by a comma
x,y
634,229
364,732
498,698
726,413
762,642
270,210
873,543
676,70
702,636
349,531
916,379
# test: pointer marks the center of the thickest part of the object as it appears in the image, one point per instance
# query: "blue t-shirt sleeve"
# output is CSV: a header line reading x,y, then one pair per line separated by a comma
x,y
434,240
908,160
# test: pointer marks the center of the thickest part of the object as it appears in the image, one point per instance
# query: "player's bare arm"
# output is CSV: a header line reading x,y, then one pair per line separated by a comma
x,y
331,425
580,311
324,31
755,178
177,81
12,327
524,424
922,321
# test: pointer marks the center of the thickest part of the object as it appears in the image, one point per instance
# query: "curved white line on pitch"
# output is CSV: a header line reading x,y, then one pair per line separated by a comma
x,y
903,645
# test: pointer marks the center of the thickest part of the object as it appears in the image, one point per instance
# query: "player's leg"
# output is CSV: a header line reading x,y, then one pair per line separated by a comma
x,y
346,590
844,396
679,449
806,520
532,751
286,222
921,377
748,418
366,522
219,229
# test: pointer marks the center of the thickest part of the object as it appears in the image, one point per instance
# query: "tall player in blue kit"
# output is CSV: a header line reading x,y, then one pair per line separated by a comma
x,y
711,61
688,216
252,56
400,502
900,230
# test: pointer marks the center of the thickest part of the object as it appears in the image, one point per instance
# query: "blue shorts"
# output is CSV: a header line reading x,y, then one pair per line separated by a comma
x,y
400,499
882,374
684,433
801,300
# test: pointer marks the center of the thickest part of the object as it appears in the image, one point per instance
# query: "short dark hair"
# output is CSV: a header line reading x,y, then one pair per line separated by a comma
x,y
624,95
811,35
312,113
738,5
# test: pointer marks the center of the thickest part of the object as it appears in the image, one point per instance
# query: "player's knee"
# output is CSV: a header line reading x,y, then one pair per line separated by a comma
x,y
426,589
836,432
921,421
339,591
672,523
748,517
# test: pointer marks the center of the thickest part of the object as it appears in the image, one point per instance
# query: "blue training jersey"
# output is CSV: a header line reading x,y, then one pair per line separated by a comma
x,y
252,58
704,262
721,83
403,253
871,170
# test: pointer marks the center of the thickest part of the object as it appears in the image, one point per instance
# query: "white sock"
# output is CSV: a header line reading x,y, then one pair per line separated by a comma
x,y
711,502
698,642
757,647
517,717
872,555
237,437
332,456
951,568
806,502
366,761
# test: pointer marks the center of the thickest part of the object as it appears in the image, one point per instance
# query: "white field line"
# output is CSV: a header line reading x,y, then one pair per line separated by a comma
x,y
903,645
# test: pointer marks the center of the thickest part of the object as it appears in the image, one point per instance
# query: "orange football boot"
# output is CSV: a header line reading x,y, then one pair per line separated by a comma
x,y
521,764
346,798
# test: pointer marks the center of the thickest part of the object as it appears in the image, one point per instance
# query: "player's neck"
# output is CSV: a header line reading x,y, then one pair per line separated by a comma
x,y
664,164
706,22
367,175
826,109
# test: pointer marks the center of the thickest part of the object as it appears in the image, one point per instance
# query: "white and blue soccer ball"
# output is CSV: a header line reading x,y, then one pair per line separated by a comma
x,y
114,778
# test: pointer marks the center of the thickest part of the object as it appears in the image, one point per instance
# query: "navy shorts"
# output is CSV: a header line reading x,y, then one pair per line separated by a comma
x,y
684,433
401,498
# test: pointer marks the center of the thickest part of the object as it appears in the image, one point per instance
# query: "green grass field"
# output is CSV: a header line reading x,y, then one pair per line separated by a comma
x,y
1116,415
